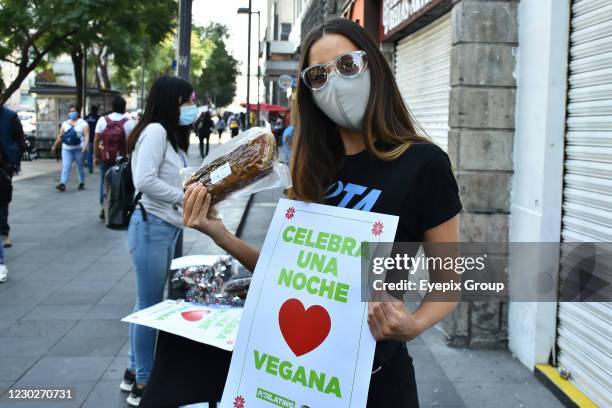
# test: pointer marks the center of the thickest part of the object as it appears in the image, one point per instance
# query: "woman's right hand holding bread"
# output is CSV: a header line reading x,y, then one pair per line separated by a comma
x,y
198,215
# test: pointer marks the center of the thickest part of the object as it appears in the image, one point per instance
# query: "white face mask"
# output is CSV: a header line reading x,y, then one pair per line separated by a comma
x,y
344,100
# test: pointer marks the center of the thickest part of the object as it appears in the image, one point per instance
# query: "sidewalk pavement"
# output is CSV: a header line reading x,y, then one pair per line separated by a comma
x,y
70,282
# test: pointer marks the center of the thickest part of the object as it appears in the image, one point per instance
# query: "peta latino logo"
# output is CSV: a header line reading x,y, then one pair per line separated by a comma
x,y
350,190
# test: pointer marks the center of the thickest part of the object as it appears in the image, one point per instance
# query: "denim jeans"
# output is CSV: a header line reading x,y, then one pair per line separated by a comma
x,y
103,168
69,156
151,245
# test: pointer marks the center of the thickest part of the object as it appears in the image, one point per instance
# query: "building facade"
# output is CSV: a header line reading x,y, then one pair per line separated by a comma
x,y
279,50
519,94
455,71
563,178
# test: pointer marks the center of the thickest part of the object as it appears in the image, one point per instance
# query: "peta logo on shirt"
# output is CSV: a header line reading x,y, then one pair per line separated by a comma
x,y
351,191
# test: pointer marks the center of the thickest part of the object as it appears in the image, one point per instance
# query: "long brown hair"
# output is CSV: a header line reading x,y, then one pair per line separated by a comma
x,y
167,94
317,148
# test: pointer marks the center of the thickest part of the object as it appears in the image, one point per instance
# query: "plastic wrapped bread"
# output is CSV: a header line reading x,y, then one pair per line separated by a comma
x,y
248,158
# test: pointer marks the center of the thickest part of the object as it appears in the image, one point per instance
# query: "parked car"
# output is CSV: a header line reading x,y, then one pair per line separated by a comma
x,y
28,122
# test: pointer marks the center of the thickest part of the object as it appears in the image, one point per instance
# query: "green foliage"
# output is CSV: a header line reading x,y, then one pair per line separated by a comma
x,y
120,37
217,79
120,30
30,30
213,70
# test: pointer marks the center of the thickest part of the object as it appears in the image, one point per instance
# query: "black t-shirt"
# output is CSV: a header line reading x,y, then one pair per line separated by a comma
x,y
419,187
92,120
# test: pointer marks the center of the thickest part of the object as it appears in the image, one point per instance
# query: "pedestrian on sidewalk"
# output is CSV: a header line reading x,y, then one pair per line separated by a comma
x,y
91,119
287,142
234,125
111,133
158,147
357,146
203,127
277,129
220,126
12,145
74,138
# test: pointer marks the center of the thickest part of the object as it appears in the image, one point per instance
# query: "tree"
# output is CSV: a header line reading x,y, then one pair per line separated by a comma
x,y
30,30
121,37
160,58
217,80
115,29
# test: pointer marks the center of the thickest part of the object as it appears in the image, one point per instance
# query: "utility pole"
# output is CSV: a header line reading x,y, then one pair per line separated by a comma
x,y
142,85
258,62
84,90
183,65
248,99
184,40
244,10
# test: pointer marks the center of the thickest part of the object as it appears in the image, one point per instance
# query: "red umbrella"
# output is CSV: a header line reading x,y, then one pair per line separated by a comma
x,y
266,107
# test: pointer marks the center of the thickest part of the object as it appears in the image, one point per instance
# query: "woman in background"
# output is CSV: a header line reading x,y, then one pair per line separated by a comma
x,y
158,148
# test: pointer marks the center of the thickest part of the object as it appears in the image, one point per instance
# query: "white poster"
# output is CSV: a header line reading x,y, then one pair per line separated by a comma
x,y
304,340
216,326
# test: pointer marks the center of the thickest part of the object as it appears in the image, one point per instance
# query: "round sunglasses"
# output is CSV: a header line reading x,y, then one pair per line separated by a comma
x,y
347,65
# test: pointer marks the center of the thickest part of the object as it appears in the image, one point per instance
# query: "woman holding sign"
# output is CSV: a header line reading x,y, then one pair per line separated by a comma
x,y
357,146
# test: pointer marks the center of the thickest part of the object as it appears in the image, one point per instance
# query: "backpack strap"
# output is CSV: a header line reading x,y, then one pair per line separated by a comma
x,y
138,196
138,203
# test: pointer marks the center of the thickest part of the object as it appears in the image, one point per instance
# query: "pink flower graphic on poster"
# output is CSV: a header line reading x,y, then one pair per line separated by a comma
x,y
377,228
239,401
290,213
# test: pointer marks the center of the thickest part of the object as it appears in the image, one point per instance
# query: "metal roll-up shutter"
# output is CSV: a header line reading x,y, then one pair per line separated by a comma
x,y
422,72
584,330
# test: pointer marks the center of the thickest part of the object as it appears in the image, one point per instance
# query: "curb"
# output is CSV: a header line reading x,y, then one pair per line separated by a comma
x,y
245,214
566,392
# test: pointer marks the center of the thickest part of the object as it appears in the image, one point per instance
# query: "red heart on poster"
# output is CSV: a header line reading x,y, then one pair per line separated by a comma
x,y
303,329
194,315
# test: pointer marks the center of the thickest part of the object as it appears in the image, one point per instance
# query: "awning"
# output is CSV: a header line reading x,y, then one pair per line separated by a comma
x,y
266,107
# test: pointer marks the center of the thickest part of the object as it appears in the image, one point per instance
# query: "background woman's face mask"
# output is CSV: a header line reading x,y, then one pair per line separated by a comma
x,y
344,100
189,113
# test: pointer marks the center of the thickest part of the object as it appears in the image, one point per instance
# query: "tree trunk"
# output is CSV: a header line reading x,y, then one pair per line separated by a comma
x,y
76,53
26,66
97,75
21,76
104,71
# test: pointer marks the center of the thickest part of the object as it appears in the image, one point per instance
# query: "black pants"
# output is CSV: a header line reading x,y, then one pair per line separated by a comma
x,y
4,227
234,131
203,137
394,385
220,131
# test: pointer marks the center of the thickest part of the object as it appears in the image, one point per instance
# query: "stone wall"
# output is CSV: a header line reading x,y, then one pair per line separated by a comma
x,y
481,121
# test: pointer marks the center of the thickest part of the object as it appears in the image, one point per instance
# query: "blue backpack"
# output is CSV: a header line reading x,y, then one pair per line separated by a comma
x,y
71,137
